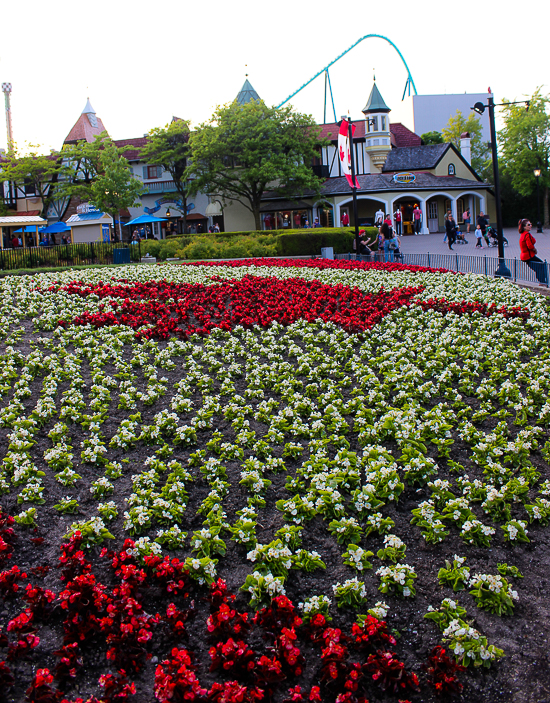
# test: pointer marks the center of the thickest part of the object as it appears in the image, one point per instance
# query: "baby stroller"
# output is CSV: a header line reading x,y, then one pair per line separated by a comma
x,y
491,238
460,238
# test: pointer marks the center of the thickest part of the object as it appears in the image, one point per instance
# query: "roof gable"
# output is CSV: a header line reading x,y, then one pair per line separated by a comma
x,y
413,158
402,136
86,128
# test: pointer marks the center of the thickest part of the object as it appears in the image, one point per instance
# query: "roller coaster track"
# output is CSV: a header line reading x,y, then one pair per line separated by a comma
x,y
408,85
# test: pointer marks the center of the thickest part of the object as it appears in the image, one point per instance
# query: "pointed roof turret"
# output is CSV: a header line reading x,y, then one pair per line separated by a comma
x,y
87,127
375,103
247,93
88,109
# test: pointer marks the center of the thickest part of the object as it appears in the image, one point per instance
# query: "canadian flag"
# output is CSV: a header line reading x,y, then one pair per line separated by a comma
x,y
345,153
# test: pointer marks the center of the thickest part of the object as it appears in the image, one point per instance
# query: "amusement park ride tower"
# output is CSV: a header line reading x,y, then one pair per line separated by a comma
x,y
6,89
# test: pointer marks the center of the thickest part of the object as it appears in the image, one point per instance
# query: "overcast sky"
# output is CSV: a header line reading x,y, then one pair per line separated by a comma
x,y
143,62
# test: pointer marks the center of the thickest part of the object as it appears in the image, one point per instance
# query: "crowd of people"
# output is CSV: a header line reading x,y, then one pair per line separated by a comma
x,y
389,241
482,231
46,240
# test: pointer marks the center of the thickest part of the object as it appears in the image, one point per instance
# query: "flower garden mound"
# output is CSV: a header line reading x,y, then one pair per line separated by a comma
x,y
273,480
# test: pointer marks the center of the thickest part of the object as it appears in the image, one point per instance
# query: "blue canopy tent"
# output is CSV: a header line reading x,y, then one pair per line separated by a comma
x,y
144,220
27,229
55,228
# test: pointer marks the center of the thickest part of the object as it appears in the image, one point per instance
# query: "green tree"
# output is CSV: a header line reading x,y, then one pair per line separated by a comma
x,y
169,147
34,173
244,150
81,165
459,124
97,172
525,146
432,137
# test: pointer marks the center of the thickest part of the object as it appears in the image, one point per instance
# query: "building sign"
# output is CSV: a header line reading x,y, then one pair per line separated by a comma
x,y
404,178
85,208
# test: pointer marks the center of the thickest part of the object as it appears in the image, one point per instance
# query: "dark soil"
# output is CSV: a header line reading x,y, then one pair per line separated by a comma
x,y
523,676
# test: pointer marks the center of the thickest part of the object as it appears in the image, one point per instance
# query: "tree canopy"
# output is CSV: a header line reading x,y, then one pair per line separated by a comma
x,y
169,147
36,174
97,172
245,150
525,146
432,137
459,124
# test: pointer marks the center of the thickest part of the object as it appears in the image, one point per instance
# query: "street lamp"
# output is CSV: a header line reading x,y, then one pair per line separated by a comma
x,y
502,270
354,188
537,173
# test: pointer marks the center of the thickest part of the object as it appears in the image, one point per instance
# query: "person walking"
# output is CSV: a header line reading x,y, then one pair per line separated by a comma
x,y
479,236
528,252
450,229
397,218
482,221
389,243
417,219
467,219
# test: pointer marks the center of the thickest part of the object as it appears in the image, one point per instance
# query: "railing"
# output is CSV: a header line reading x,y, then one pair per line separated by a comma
x,y
486,265
160,187
65,255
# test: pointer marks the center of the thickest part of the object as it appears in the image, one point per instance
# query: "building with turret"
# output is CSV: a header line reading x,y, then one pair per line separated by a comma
x,y
395,171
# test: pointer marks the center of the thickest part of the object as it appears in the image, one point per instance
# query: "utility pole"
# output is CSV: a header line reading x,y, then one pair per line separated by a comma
x,y
354,188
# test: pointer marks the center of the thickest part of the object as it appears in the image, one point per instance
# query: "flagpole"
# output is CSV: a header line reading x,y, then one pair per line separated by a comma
x,y
355,217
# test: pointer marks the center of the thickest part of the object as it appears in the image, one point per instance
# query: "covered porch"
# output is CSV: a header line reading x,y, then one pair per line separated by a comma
x,y
28,236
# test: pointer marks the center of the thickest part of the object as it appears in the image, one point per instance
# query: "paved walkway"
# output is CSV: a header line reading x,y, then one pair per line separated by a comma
x,y
433,243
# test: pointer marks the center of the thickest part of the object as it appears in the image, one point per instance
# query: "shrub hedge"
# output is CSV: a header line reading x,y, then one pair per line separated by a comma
x,y
234,245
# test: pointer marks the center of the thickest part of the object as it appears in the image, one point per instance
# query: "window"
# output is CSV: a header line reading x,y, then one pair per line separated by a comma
x,y
432,210
151,172
448,206
29,187
451,170
383,123
373,124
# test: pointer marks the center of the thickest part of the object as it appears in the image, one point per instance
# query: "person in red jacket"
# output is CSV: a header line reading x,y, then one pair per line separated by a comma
x,y
528,252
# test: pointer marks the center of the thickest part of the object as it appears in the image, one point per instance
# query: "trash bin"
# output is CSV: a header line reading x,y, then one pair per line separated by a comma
x,y
121,256
327,252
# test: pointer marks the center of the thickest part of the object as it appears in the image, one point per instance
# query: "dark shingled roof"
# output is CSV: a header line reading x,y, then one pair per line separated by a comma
x,y
134,146
413,158
377,182
382,181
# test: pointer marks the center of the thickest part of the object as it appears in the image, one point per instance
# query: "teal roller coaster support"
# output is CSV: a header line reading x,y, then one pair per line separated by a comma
x,y
408,85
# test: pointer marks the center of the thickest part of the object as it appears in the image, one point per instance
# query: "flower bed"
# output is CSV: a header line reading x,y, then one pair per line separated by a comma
x,y
273,480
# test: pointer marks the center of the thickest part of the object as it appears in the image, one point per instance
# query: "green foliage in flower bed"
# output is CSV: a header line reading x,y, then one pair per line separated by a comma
x,y
235,245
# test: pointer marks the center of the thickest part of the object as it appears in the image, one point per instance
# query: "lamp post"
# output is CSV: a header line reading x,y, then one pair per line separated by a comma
x,y
537,173
354,188
502,270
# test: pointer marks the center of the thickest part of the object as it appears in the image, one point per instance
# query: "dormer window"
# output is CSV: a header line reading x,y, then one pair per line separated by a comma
x,y
451,170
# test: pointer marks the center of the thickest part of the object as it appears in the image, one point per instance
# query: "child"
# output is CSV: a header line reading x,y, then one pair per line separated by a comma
x,y
479,234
